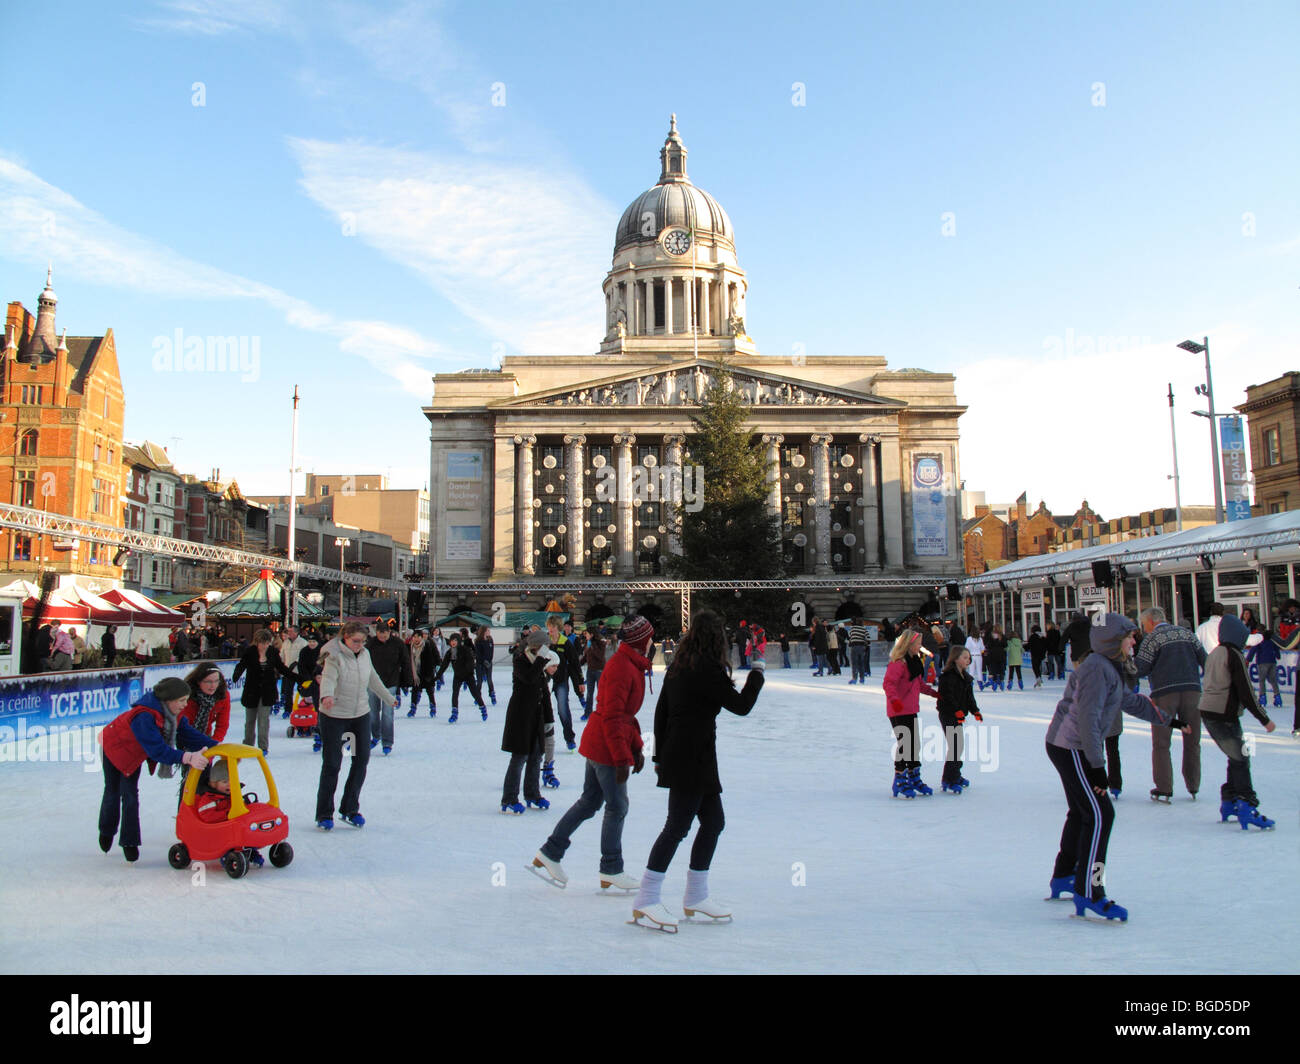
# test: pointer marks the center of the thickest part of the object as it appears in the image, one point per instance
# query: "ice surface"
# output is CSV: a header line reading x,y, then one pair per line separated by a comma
x,y
827,873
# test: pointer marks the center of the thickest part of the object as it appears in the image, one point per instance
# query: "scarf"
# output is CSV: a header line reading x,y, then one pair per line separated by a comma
x,y
915,668
205,704
165,771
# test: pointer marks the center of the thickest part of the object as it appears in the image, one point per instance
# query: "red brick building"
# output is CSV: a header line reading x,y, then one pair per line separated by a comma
x,y
61,410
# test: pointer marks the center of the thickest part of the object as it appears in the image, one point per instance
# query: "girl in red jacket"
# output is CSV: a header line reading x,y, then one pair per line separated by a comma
x,y
611,743
904,684
208,709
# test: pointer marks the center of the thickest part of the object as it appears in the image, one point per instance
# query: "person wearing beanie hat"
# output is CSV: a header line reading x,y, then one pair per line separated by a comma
x,y
131,739
612,745
697,687
569,673
522,735
1225,691
1096,693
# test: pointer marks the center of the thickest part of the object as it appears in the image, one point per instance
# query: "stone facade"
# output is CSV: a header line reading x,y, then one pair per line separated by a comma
x,y
1272,412
564,466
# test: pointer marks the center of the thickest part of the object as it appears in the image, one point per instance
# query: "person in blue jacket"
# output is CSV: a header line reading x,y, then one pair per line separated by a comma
x,y
1265,654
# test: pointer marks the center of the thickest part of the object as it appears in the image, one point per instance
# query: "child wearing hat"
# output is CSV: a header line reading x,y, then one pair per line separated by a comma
x,y
130,740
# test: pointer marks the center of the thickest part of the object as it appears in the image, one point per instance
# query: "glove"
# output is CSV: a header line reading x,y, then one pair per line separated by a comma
x,y
194,760
638,761
979,716
961,716
620,774
759,664
1096,778
1178,723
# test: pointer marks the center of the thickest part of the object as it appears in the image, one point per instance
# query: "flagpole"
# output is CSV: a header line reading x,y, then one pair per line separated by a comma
x,y
293,511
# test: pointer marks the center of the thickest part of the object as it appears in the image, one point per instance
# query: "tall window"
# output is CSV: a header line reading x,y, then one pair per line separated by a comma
x,y
33,393
97,450
27,446
22,548
1272,447
27,487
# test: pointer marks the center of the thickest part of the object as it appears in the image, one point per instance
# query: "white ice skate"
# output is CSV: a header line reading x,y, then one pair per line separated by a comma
x,y
619,881
550,871
716,911
657,918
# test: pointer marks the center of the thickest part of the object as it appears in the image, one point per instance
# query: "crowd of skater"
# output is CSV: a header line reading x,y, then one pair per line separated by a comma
x,y
356,680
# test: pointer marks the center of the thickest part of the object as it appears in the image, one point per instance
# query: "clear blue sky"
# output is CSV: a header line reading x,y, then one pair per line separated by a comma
x,y
1120,177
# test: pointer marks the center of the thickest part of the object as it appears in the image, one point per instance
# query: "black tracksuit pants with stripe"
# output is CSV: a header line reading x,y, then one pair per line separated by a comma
x,y
1087,826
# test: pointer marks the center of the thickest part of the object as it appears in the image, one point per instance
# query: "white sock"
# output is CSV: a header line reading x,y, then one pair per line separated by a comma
x,y
697,887
651,884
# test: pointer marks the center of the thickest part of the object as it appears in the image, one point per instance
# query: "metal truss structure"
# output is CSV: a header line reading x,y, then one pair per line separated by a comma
x,y
32,522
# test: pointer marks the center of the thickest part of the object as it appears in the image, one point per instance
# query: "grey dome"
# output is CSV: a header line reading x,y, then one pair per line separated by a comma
x,y
673,201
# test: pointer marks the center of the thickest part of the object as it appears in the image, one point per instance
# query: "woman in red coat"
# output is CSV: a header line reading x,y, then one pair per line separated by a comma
x,y
611,743
904,684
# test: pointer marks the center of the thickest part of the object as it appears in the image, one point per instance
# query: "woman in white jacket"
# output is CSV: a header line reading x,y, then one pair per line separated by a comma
x,y
344,713
975,645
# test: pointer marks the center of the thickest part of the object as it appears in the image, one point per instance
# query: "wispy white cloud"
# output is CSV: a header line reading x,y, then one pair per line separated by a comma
x,y
39,222
214,18
519,250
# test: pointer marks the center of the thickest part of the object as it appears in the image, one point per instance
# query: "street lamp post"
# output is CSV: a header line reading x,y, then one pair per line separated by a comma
x,y
1173,434
1207,390
342,545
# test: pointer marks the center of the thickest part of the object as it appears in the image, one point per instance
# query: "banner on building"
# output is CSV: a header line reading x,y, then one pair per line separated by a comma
x,y
464,506
929,507
1232,448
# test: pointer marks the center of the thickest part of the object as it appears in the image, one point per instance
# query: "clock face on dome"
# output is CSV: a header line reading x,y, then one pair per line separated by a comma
x,y
676,241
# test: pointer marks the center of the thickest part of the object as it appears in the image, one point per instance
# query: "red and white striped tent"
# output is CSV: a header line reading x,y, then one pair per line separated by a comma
x,y
145,611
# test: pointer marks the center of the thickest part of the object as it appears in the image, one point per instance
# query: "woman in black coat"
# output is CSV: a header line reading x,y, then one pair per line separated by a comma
x,y
462,660
956,703
696,688
261,688
525,723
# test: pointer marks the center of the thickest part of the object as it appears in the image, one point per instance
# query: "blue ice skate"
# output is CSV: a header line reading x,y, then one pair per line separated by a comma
x,y
254,859
963,781
1226,808
1277,701
483,709
1247,815
513,807
454,716
548,775
1061,885
955,788
1102,907
411,712
355,819
325,824
903,785
919,785
1114,794
492,696
538,803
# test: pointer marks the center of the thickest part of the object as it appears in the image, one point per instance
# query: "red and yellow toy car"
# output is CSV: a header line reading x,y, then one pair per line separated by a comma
x,y
231,828
302,720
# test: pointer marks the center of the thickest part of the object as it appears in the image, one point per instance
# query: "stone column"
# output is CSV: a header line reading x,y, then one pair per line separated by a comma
x,y
822,488
705,317
723,311
503,506
524,504
650,322
891,500
870,508
626,529
669,323
773,443
575,512
672,491
630,309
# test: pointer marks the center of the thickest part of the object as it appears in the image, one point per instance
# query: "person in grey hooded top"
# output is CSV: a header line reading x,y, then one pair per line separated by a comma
x,y
1225,691
1095,696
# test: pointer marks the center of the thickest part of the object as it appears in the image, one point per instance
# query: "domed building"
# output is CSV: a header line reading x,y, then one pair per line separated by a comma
x,y
546,469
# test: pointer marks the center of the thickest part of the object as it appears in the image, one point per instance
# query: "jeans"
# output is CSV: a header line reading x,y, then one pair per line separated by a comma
x,y
683,808
593,678
333,731
259,719
785,659
530,766
121,800
599,787
1226,732
858,658
1268,673
1060,665
381,717
562,710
